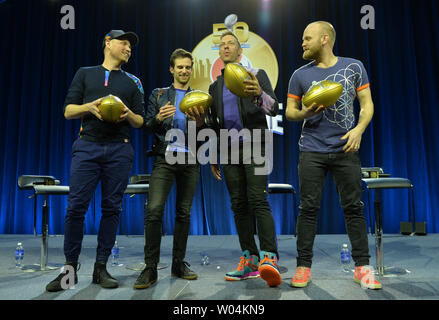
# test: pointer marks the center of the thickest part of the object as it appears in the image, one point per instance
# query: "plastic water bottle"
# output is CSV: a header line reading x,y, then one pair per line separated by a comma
x,y
19,255
115,255
204,259
345,258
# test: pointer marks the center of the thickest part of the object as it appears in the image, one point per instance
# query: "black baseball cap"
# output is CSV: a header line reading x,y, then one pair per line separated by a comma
x,y
121,35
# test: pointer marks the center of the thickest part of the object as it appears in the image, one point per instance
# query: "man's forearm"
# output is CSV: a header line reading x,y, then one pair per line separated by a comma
x,y
365,116
75,111
134,120
293,113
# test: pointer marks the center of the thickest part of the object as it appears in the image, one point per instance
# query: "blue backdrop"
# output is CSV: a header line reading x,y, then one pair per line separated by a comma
x,y
39,60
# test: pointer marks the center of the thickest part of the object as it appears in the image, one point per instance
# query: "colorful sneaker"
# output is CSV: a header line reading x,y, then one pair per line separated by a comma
x,y
247,268
302,277
364,275
269,270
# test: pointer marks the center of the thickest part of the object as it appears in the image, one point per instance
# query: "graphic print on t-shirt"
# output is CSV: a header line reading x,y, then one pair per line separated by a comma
x,y
342,113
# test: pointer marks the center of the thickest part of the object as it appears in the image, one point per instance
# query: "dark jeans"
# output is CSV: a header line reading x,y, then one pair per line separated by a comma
x,y
162,179
249,201
346,172
92,162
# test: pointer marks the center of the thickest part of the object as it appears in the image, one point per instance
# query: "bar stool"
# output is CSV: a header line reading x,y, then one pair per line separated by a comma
x,y
283,188
378,181
42,185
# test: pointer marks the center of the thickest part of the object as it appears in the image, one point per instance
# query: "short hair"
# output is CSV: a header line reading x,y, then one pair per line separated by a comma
x,y
180,53
327,29
230,33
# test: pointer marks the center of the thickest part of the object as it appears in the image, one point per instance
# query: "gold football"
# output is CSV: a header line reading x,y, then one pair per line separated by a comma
x,y
323,93
234,76
111,107
195,98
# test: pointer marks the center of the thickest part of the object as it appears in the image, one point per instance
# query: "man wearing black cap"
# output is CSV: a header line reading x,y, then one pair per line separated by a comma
x,y
101,153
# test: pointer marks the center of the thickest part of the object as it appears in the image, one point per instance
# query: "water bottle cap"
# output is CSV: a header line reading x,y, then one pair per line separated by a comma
x,y
345,245
19,244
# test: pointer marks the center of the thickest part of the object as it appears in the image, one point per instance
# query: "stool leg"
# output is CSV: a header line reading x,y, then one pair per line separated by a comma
x,y
44,264
44,233
369,212
35,215
379,233
412,203
381,270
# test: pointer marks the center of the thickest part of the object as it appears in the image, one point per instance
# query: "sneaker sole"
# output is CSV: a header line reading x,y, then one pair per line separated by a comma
x,y
251,275
369,286
144,286
270,275
301,284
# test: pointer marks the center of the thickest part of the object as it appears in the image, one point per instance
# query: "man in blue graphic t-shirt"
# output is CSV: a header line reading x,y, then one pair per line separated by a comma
x,y
330,141
163,114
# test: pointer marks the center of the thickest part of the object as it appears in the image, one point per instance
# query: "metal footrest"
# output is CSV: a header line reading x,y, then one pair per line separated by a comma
x,y
390,271
39,267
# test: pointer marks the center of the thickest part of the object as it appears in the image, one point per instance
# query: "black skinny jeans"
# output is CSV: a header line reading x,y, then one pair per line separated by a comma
x,y
346,171
163,176
249,201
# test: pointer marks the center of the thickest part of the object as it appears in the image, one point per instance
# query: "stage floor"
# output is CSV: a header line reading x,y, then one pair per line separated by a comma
x,y
417,254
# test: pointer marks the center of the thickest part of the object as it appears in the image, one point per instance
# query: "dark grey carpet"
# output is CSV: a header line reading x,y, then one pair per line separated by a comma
x,y
417,254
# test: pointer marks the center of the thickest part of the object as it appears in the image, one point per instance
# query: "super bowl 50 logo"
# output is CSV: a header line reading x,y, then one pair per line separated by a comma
x,y
256,53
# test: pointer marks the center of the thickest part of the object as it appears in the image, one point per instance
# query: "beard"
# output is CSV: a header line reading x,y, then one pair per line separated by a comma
x,y
310,54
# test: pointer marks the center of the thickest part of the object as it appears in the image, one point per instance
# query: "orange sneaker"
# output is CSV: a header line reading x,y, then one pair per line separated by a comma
x,y
302,277
269,270
365,277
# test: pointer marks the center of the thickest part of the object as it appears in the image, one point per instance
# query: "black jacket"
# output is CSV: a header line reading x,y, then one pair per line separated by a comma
x,y
252,116
158,98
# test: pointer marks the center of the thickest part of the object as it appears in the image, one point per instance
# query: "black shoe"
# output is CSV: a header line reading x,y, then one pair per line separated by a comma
x,y
181,269
57,284
147,278
102,277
